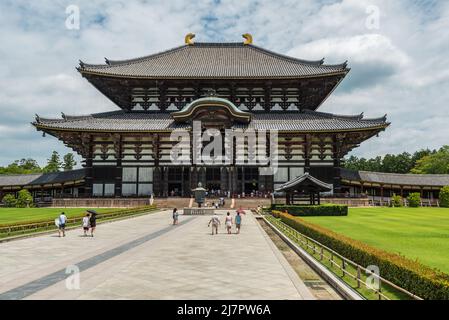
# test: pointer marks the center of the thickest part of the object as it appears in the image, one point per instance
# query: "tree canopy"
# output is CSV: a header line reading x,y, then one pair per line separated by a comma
x,y
424,161
29,166
436,163
69,162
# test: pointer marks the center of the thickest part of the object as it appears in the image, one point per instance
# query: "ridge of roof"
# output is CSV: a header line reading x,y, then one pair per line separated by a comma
x,y
402,174
359,117
110,63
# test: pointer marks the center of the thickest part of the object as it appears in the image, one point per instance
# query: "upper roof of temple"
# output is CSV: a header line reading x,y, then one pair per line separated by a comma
x,y
214,61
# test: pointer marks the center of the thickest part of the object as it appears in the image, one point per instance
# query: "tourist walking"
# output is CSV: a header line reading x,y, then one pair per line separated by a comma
x,y
238,222
215,222
92,222
175,216
86,224
61,226
228,223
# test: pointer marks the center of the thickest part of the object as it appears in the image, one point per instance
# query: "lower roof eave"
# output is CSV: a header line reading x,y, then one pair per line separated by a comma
x,y
49,130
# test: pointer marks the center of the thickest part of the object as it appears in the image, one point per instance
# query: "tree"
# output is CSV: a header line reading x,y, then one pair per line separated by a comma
x,y
54,163
434,163
444,197
24,199
69,162
414,199
401,163
9,200
422,161
23,166
396,201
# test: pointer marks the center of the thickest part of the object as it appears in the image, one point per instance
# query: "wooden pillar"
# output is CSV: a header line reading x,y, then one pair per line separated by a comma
x,y
381,194
337,164
89,169
164,181
62,190
119,169
157,181
231,180
242,182
224,179
307,150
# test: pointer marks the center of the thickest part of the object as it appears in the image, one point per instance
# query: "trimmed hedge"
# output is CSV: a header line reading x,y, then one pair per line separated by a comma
x,y
411,275
414,199
444,197
396,201
311,210
105,215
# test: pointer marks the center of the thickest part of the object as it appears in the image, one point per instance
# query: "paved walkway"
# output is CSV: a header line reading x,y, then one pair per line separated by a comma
x,y
147,258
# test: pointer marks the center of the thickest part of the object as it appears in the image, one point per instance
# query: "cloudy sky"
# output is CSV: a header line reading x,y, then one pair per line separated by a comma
x,y
398,52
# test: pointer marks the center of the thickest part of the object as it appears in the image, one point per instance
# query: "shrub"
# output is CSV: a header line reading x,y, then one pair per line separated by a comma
x,y
24,199
414,199
444,197
411,275
310,210
396,201
9,200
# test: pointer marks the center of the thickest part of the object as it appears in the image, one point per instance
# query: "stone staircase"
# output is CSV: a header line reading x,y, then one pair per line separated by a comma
x,y
246,203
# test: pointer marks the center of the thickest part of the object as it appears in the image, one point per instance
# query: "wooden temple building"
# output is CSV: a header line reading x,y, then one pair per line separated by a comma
x,y
226,86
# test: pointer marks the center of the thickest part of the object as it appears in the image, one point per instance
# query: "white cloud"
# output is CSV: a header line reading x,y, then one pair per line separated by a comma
x,y
360,49
400,69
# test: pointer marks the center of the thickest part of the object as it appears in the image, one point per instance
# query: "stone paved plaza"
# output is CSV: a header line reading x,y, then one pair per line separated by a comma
x,y
147,258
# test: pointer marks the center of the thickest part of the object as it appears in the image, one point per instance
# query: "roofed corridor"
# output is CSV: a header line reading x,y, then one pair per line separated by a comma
x,y
147,258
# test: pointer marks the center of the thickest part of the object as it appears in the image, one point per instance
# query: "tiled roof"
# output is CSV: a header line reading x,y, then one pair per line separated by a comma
x,y
305,180
215,60
437,180
18,179
21,180
117,121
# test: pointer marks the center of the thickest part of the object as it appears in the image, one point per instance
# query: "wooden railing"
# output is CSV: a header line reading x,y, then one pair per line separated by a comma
x,y
337,261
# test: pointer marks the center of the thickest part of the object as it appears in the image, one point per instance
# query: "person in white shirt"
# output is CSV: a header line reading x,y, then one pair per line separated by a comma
x,y
228,222
215,222
62,221
86,224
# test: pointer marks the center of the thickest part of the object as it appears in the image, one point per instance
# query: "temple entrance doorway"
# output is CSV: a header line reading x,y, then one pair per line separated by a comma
x,y
213,179
175,189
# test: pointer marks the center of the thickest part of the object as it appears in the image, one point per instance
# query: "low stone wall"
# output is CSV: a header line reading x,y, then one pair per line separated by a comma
x,y
245,203
198,211
100,203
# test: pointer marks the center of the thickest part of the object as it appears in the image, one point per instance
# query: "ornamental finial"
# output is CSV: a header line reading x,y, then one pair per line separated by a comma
x,y
248,38
189,38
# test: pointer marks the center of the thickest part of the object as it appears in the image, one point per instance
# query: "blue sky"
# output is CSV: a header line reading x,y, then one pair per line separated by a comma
x,y
399,61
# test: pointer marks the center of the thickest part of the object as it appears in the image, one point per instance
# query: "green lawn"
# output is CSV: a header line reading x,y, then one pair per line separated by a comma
x,y
23,215
417,233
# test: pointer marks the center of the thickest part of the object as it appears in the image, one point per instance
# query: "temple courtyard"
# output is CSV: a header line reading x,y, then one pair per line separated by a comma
x,y
148,258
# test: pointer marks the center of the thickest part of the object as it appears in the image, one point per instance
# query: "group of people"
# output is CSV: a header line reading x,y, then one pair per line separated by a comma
x,y
228,222
215,221
89,223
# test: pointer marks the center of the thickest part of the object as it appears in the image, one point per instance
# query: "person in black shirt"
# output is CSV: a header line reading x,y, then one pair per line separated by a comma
x,y
92,222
